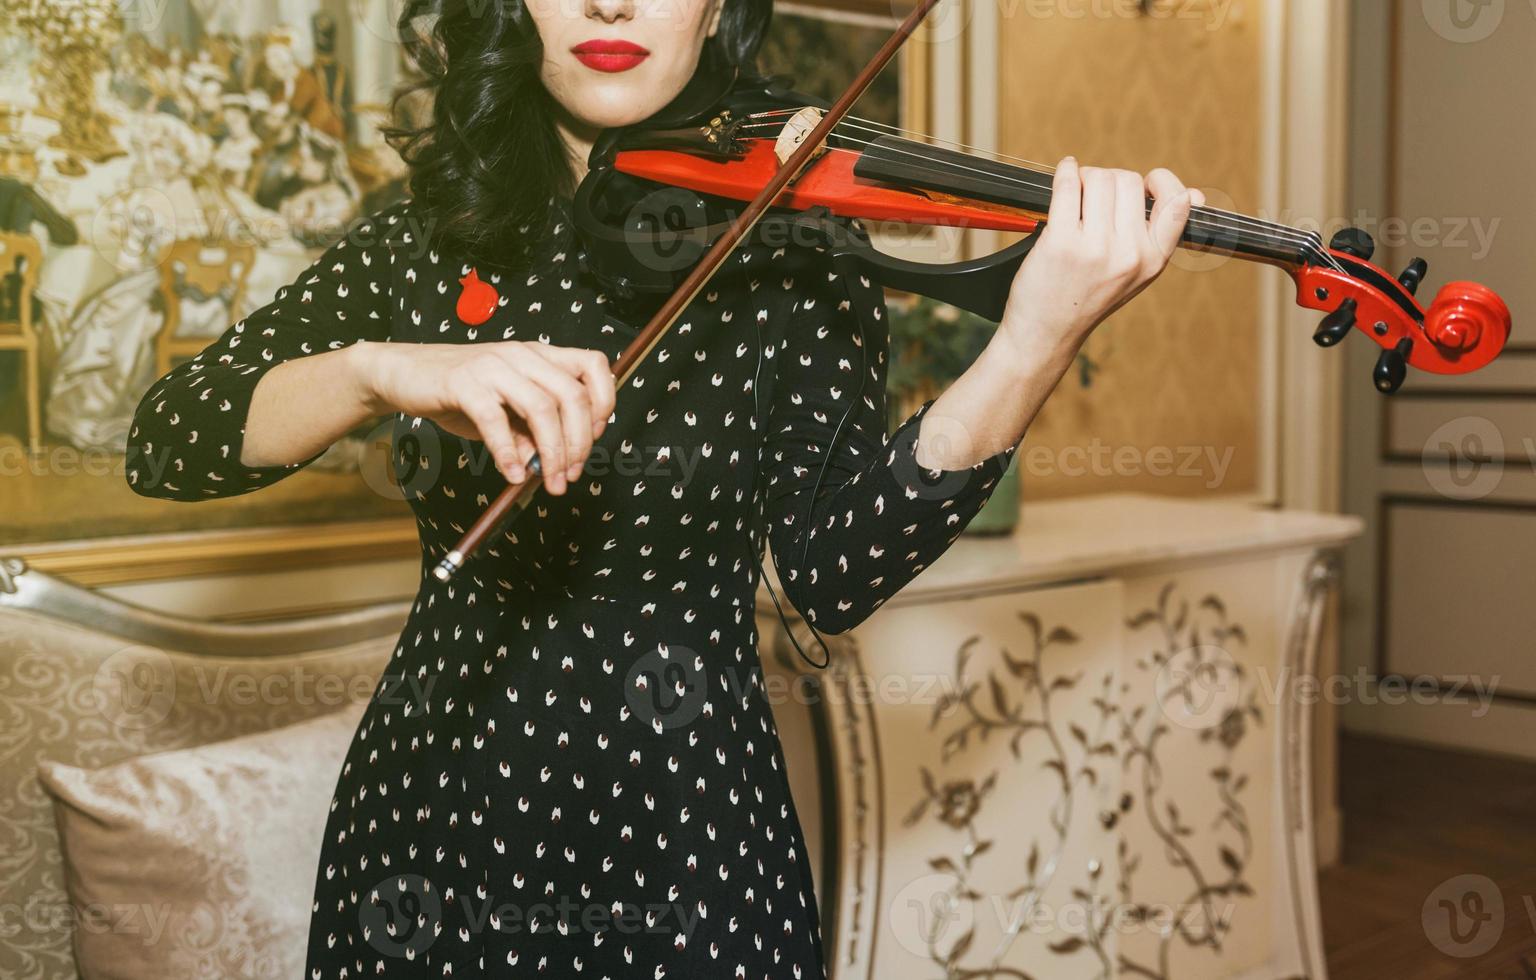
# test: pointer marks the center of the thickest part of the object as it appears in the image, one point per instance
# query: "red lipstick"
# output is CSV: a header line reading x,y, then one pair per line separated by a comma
x,y
609,55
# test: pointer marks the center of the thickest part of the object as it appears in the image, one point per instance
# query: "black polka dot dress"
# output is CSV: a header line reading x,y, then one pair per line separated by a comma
x,y
569,767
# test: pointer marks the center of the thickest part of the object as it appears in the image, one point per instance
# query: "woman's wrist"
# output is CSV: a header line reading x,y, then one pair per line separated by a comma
x,y
364,364
1021,351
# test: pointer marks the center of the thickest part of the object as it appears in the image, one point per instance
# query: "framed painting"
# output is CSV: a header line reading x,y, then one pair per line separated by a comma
x,y
165,167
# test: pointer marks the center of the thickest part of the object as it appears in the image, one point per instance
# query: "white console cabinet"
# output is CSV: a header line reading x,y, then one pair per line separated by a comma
x,y
1078,751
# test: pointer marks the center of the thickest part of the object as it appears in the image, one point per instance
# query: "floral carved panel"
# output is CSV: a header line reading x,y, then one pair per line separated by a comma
x,y
1079,782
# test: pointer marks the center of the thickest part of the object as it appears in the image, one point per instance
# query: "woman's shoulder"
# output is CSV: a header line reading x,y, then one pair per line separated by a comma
x,y
391,225
411,231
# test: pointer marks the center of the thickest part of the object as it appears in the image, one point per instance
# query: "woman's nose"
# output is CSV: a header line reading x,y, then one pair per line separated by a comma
x,y
609,11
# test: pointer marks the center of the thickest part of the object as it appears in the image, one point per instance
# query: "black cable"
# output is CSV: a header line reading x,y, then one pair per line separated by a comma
x,y
810,509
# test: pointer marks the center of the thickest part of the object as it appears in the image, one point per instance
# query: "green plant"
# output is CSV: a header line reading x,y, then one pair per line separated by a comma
x,y
933,343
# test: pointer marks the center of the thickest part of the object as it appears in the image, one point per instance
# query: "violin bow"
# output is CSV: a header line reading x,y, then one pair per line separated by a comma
x,y
515,498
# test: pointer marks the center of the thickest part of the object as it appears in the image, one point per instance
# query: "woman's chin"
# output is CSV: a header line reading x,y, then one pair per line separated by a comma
x,y
613,117
614,104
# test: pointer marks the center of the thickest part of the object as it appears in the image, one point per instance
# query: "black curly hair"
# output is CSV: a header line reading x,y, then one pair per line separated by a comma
x,y
486,161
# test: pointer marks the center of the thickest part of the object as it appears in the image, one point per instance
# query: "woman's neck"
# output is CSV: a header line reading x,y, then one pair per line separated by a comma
x,y
578,139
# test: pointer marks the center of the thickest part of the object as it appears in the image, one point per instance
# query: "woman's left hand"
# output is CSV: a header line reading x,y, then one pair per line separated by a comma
x,y
1098,250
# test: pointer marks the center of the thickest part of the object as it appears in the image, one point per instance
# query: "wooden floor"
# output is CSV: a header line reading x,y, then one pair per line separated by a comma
x,y
1414,818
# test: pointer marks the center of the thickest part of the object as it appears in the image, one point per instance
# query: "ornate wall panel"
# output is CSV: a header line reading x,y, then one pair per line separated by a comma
x,y
1179,370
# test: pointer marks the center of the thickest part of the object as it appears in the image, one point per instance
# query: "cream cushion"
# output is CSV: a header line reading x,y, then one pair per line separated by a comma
x,y
199,862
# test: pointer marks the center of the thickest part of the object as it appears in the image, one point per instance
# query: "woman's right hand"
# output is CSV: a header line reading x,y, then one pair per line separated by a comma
x,y
517,397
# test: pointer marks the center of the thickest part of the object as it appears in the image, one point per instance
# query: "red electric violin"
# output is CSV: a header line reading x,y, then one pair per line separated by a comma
x,y
662,208
874,173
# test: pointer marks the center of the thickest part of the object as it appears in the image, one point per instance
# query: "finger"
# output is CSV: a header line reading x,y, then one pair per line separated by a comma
x,y
1170,210
517,393
521,393
524,451
1066,209
575,409
1130,204
1098,201
540,412
482,405
592,369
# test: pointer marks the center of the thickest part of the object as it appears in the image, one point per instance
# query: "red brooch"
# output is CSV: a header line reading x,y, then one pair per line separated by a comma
x,y
478,300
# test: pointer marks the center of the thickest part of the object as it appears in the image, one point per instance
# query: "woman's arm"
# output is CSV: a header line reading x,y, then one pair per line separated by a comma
x,y
188,435
518,397
1099,249
847,538
889,506
280,386
301,406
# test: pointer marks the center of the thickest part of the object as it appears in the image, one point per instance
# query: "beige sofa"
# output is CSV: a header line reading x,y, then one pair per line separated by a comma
x,y
87,683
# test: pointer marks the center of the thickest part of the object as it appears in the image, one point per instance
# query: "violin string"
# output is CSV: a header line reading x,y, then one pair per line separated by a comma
x,y
1201,218
997,155
1256,235
1045,170
1310,241
1279,232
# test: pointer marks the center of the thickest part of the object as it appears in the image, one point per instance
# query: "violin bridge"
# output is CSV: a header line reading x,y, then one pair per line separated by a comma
x,y
795,132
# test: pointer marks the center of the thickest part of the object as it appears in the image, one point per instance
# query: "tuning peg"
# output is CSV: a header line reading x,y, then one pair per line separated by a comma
x,y
1392,367
1336,325
1353,241
1413,275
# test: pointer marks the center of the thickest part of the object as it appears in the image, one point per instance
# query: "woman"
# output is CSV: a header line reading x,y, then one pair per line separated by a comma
x,y
569,766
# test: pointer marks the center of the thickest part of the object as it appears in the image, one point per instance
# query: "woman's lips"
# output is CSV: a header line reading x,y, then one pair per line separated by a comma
x,y
610,56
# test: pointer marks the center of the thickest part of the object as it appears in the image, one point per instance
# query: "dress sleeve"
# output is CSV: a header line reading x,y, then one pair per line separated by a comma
x,y
189,427
879,518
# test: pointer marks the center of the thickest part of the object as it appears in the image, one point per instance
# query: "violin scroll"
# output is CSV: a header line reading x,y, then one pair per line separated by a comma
x,y
1463,313
1464,328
